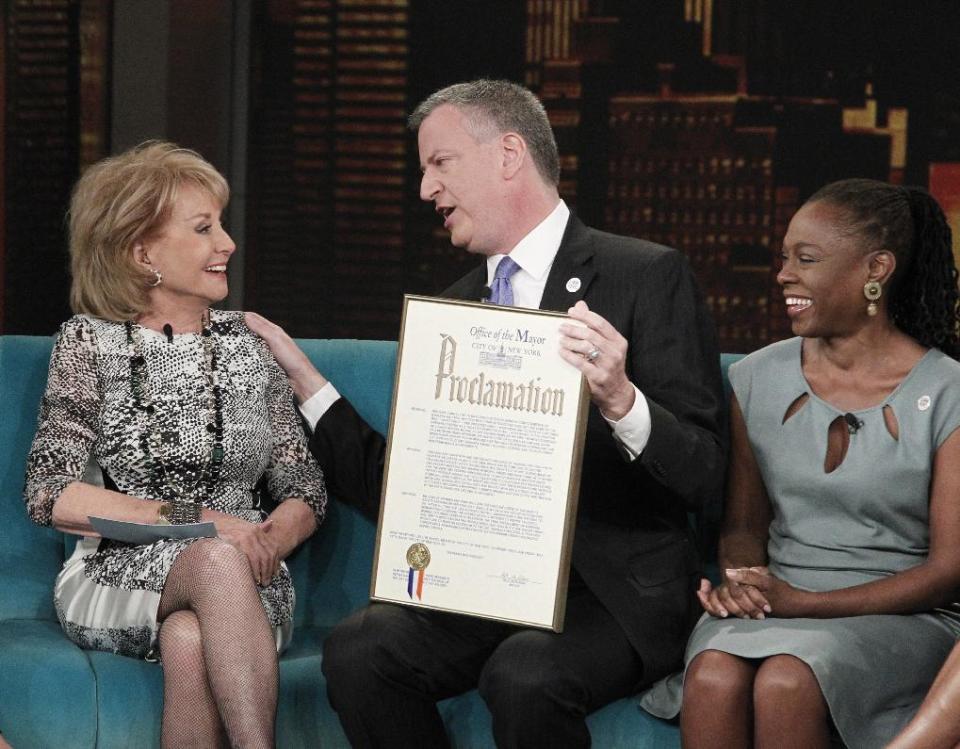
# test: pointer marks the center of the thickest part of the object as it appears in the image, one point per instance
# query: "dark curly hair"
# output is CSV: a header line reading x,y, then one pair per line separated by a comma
x,y
922,295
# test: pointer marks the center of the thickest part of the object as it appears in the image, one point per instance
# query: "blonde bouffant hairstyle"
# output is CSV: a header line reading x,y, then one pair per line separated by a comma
x,y
117,203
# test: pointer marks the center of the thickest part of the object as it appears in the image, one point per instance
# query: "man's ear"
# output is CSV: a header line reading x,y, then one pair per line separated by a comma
x,y
514,150
881,266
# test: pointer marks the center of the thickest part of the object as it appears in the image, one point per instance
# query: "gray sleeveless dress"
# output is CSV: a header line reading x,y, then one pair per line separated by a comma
x,y
867,519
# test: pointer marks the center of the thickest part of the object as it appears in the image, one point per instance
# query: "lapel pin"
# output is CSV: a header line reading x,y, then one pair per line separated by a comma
x,y
573,284
923,402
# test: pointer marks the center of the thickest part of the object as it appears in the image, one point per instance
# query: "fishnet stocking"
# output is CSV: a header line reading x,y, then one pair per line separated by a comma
x,y
212,581
190,716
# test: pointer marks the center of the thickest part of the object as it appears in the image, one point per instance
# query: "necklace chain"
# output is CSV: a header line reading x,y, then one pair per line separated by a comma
x,y
186,499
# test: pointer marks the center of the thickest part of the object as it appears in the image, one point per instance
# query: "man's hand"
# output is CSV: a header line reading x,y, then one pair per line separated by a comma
x,y
600,352
304,377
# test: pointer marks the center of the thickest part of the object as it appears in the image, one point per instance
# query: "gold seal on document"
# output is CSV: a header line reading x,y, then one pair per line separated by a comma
x,y
418,556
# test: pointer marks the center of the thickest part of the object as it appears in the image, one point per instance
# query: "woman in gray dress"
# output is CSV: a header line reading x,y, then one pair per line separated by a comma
x,y
840,549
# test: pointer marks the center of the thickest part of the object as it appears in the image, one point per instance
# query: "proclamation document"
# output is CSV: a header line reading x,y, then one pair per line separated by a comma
x,y
483,464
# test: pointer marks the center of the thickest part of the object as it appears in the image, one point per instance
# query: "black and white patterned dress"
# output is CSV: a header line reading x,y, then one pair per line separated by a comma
x,y
108,592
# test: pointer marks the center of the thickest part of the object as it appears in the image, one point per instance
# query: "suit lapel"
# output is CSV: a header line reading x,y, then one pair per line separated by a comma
x,y
474,284
572,271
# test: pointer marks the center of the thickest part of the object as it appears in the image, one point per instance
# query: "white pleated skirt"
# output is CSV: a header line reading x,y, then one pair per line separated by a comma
x,y
113,607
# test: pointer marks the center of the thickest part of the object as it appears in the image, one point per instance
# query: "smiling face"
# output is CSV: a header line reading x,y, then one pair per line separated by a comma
x,y
191,250
823,274
463,178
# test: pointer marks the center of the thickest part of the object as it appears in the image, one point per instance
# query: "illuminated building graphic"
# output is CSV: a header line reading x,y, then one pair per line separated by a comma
x,y
328,161
708,169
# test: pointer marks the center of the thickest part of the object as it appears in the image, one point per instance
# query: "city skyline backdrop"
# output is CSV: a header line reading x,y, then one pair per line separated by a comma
x,y
701,124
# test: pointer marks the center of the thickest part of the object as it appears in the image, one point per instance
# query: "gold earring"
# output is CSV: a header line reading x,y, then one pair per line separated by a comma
x,y
871,292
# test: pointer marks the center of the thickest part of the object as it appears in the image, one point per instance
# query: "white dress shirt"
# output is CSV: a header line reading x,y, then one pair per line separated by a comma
x,y
534,254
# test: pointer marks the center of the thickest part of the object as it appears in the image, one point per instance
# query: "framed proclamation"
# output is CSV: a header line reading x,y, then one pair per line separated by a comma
x,y
483,464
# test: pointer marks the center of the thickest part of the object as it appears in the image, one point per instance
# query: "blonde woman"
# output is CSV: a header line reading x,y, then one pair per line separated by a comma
x,y
161,410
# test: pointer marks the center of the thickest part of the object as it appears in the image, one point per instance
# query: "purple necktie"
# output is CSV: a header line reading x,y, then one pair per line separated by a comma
x,y
501,292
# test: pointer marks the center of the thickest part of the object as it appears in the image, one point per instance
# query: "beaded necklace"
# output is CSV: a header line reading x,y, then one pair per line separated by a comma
x,y
186,499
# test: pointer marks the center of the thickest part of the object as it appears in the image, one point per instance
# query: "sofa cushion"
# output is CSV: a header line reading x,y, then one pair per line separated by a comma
x,y
129,700
331,571
30,556
48,692
304,717
362,371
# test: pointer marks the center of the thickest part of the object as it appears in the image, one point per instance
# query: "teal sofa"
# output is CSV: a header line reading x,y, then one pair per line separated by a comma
x,y
53,694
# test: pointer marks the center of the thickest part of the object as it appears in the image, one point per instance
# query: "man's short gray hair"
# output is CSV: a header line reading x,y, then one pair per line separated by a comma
x,y
496,107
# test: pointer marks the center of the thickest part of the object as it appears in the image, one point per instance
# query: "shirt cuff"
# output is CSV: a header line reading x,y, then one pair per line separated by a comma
x,y
319,403
633,430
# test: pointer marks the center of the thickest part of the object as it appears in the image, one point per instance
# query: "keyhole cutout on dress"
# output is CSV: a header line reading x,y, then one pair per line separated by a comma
x,y
838,440
890,419
838,433
795,406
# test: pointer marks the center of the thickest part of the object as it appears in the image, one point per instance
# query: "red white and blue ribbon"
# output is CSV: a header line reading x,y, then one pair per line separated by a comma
x,y
419,589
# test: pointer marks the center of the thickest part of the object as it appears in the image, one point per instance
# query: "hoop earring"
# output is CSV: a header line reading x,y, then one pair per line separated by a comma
x,y
158,280
872,290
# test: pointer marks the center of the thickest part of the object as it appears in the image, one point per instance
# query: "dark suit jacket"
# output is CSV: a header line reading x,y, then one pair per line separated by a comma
x,y
632,546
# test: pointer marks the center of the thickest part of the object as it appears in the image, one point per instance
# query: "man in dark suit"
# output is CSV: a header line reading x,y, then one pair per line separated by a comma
x,y
654,449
